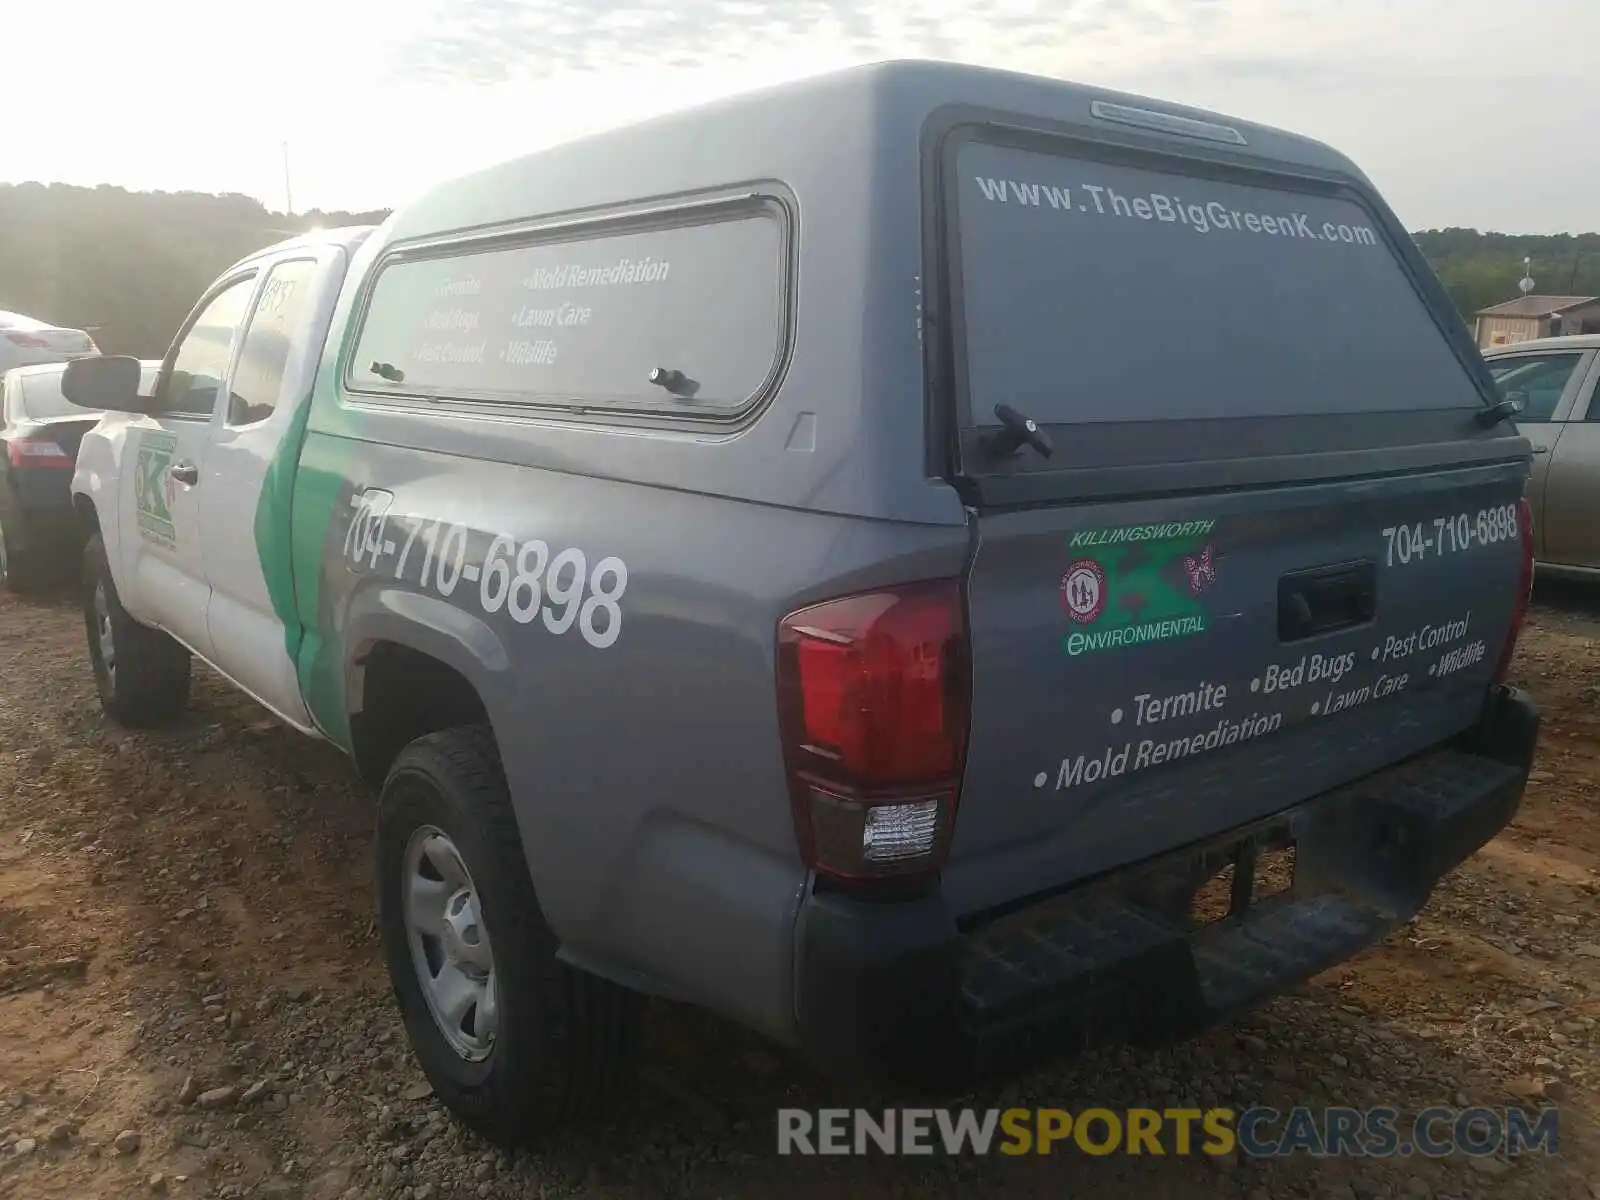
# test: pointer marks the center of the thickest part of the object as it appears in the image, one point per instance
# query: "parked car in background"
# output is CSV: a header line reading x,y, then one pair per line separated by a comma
x,y
1556,381
24,340
40,430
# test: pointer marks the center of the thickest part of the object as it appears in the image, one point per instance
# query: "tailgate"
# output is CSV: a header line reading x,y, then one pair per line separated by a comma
x,y
61,343
1147,675
69,343
1264,545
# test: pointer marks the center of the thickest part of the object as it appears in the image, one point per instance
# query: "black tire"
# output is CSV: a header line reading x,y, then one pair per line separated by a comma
x,y
566,1040
148,682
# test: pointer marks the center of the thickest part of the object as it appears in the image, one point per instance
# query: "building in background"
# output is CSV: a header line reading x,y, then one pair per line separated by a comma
x,y
1529,317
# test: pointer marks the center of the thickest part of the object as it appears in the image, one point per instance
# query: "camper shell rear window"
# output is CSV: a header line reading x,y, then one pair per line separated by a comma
x,y
683,315
1106,288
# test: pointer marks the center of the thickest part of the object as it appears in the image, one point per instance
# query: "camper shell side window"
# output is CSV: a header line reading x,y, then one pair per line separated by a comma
x,y
683,315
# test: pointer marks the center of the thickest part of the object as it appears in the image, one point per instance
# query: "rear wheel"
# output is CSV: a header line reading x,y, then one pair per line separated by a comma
x,y
142,674
512,1039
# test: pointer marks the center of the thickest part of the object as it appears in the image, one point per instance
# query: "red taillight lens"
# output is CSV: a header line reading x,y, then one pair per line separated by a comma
x,y
29,340
1524,589
874,704
37,452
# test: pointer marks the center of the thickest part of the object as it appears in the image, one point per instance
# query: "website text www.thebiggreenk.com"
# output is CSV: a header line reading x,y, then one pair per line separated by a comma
x,y
1205,217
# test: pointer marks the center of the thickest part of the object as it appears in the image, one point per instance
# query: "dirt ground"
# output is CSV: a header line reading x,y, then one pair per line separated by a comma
x,y
190,911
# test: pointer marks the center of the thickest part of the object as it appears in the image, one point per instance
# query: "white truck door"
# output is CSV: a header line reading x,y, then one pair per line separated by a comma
x,y
160,483
271,379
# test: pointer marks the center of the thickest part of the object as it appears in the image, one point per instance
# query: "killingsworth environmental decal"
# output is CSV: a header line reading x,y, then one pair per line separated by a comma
x,y
1134,584
153,487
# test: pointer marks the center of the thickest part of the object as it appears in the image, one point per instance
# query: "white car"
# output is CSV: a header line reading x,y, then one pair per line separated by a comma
x,y
25,341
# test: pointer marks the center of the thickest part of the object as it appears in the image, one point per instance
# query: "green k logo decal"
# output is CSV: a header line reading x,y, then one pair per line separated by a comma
x,y
152,488
1134,584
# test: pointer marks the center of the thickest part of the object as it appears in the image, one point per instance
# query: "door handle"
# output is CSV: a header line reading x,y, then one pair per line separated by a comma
x,y
1325,599
1541,449
185,472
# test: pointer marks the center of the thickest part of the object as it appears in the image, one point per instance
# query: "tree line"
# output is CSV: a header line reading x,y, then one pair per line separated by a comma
x,y
1480,269
130,265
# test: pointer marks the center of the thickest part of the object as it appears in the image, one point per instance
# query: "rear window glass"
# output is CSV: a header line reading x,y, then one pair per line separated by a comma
x,y
587,320
41,398
39,393
1098,292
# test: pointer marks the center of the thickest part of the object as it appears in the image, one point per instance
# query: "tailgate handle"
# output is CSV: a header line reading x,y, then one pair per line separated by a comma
x,y
1325,599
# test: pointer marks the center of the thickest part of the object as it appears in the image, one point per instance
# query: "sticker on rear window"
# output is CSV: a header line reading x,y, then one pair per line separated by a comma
x,y
1141,584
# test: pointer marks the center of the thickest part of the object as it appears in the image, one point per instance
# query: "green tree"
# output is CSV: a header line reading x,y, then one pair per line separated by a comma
x,y
129,264
1480,269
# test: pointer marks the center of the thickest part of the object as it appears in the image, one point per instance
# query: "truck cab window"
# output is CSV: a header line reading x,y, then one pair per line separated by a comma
x,y
201,362
276,326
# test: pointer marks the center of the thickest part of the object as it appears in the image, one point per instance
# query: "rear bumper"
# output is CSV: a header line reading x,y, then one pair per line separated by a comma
x,y
42,520
898,986
44,491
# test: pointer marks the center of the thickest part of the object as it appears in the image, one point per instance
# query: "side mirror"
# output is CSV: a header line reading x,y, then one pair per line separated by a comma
x,y
105,382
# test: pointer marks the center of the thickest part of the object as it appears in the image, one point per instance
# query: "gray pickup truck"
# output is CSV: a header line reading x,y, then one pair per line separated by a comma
x,y
862,557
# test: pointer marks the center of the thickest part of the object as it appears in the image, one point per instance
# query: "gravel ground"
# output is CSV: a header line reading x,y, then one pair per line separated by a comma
x,y
192,1001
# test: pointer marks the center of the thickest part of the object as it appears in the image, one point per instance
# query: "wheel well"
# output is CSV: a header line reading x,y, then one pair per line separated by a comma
x,y
88,518
404,694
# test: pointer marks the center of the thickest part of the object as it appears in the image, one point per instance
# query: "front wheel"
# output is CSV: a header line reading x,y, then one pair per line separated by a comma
x,y
141,673
512,1039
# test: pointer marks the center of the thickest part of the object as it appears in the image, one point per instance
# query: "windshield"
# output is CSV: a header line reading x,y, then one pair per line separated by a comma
x,y
1101,292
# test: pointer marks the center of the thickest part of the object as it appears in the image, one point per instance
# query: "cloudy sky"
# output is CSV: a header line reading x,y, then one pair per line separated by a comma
x,y
1465,112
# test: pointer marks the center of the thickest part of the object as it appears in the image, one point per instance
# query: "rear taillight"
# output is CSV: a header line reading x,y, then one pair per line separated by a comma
x,y
32,341
37,452
874,702
1524,589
